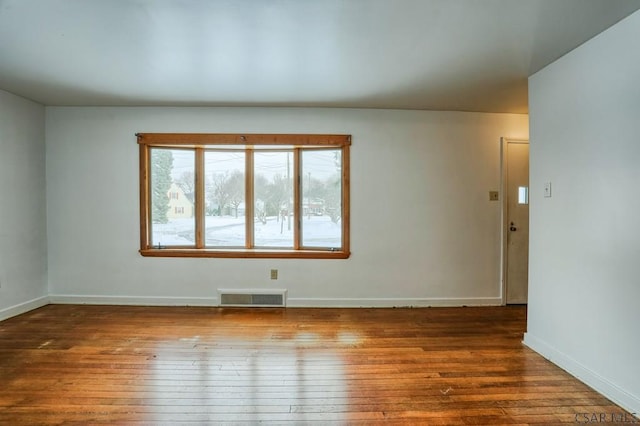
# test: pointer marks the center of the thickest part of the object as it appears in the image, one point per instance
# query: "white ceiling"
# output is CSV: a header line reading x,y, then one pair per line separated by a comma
x,y
466,55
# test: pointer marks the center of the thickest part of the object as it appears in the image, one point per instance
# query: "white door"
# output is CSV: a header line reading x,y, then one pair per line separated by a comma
x,y
517,221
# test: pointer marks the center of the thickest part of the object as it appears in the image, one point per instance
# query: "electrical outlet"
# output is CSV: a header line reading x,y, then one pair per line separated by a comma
x,y
274,274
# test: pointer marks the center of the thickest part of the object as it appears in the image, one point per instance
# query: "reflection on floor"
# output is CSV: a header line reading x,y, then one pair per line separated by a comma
x,y
66,364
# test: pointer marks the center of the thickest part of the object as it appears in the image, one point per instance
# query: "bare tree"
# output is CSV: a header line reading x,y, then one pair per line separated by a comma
x,y
279,191
261,193
235,188
218,192
187,182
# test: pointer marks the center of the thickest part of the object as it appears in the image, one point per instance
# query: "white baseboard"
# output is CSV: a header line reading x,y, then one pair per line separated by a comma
x,y
24,307
610,390
301,302
72,299
293,302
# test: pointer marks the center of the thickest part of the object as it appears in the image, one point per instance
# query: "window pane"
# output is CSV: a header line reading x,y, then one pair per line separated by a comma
x,y
321,198
225,203
523,195
273,203
172,197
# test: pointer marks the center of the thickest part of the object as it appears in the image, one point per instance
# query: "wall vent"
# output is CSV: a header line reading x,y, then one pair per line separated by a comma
x,y
254,298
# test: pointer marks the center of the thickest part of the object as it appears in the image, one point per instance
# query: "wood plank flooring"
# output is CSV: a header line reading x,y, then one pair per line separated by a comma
x,y
70,364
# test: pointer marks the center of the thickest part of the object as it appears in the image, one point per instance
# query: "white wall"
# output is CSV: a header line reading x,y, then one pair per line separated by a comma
x,y
423,230
23,243
584,289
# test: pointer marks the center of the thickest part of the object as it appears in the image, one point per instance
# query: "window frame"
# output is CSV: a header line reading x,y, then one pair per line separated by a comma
x,y
248,143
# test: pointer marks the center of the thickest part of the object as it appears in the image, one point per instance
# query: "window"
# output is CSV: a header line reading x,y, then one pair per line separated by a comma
x,y
232,195
523,195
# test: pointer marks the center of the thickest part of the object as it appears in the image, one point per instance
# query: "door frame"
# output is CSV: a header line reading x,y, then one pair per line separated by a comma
x,y
504,219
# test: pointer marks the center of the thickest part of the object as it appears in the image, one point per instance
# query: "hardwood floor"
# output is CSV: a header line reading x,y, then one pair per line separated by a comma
x,y
69,364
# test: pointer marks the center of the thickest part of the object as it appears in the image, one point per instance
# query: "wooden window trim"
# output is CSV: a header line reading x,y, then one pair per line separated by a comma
x,y
248,199
258,253
199,196
248,139
297,199
200,142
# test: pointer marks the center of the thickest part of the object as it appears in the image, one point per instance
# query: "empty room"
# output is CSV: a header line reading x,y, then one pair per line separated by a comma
x,y
319,212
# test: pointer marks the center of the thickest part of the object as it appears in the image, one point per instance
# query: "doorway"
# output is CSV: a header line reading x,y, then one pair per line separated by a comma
x,y
515,224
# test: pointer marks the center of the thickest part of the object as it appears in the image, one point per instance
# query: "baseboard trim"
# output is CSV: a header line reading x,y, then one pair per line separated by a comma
x,y
610,390
293,302
24,307
301,302
68,299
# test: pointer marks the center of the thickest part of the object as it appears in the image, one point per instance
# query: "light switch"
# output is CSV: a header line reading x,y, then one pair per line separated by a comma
x,y
547,189
494,195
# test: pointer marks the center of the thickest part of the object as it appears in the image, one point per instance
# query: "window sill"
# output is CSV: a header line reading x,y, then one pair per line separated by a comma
x,y
245,254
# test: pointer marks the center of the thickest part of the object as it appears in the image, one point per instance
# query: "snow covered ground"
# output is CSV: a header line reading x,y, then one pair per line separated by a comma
x,y
228,231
